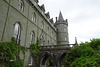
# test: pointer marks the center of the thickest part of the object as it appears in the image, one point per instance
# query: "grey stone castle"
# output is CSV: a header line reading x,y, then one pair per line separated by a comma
x,y
26,20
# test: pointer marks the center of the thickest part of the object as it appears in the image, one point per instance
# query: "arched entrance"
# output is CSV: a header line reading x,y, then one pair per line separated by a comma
x,y
47,60
61,60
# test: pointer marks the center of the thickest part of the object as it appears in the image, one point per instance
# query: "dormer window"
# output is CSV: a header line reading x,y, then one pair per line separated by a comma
x,y
36,1
20,5
34,17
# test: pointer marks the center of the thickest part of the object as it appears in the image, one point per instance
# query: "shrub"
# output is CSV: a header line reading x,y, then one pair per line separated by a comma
x,y
85,55
9,54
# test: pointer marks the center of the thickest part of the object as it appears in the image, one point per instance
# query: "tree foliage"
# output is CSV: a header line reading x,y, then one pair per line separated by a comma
x,y
35,50
85,55
9,54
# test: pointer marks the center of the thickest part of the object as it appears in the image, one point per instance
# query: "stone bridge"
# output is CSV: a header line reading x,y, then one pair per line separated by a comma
x,y
55,52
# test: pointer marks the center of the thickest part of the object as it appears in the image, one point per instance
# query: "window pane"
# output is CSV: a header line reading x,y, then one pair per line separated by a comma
x,y
34,17
65,38
42,40
17,32
32,37
20,5
64,29
42,25
30,61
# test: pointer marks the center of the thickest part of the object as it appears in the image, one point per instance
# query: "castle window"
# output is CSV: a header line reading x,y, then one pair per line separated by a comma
x,y
48,41
32,37
65,30
42,25
20,5
48,27
34,17
41,40
65,26
52,32
65,38
17,32
30,61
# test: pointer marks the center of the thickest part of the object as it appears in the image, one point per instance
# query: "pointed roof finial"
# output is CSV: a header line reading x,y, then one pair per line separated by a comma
x,y
60,18
42,7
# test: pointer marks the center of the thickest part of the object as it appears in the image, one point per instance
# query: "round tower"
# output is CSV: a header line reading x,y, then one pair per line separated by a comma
x,y
62,30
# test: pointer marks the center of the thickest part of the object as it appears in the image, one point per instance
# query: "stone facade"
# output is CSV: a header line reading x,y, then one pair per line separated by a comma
x,y
26,20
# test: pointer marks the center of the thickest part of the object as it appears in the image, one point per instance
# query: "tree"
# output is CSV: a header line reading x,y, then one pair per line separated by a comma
x,y
85,55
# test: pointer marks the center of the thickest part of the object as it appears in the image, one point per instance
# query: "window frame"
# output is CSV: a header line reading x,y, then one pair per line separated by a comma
x,y
33,17
30,61
21,5
32,37
42,40
65,38
17,34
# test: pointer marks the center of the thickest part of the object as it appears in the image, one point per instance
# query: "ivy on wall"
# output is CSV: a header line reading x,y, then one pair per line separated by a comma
x,y
35,50
9,54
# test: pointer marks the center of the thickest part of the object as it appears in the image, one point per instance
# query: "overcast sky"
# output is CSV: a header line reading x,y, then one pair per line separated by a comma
x,y
83,17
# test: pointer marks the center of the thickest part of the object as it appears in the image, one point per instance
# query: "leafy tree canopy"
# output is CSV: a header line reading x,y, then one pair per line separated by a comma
x,y
85,55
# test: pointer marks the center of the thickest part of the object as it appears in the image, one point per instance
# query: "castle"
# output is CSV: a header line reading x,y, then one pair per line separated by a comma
x,y
26,20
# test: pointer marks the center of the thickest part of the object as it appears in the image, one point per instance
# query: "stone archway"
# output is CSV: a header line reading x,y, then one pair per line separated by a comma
x,y
44,60
61,59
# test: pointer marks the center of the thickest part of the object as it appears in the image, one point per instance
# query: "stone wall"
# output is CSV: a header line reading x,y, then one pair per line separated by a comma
x,y
10,15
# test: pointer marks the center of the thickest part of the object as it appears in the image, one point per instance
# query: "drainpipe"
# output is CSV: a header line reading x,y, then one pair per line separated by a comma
x,y
6,21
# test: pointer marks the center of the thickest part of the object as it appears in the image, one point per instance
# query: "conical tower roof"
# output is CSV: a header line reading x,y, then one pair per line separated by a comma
x,y
60,18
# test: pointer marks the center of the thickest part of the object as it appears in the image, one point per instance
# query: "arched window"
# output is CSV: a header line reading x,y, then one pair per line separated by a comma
x,y
65,28
65,38
17,33
34,17
42,40
20,5
32,37
48,41
30,61
42,25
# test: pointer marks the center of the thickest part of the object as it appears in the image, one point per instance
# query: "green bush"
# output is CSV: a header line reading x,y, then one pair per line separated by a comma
x,y
10,51
35,50
95,43
85,55
18,63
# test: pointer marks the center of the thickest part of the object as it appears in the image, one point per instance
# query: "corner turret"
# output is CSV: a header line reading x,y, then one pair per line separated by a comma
x,y
60,18
62,30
